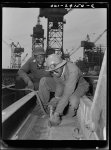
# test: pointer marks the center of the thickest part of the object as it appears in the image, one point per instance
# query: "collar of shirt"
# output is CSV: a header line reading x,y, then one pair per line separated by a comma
x,y
63,72
38,66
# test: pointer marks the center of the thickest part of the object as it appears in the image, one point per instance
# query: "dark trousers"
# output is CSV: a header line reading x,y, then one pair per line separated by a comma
x,y
20,84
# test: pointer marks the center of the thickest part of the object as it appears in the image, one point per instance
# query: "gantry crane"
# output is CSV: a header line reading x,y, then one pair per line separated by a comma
x,y
91,53
37,36
90,44
16,51
54,28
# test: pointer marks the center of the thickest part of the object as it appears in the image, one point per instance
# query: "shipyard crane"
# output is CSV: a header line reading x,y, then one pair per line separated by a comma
x,y
55,28
91,42
100,36
16,51
70,9
24,58
37,36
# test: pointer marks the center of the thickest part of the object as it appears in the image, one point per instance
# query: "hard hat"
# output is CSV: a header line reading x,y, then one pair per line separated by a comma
x,y
54,62
38,51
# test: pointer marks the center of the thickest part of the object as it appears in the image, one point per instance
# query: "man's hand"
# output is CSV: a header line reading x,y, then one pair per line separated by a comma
x,y
54,101
30,85
54,120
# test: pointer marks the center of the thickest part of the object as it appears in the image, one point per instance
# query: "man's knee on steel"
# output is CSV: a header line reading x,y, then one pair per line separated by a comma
x,y
68,75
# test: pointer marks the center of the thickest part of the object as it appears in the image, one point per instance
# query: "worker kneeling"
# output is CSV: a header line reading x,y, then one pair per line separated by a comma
x,y
31,72
67,83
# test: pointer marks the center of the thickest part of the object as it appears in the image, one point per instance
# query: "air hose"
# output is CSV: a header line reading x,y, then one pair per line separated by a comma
x,y
36,93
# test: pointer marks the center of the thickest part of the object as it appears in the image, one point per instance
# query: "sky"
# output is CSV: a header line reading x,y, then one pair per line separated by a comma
x,y
18,23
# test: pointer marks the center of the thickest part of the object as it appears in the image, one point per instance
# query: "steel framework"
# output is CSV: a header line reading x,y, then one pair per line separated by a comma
x,y
16,52
37,36
55,33
54,28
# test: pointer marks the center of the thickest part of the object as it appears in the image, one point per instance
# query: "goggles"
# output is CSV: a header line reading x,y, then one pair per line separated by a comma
x,y
52,67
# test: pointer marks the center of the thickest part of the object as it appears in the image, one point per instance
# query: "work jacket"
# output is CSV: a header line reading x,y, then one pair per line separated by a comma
x,y
31,71
70,78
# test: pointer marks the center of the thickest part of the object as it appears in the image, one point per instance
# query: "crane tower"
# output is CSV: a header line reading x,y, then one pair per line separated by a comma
x,y
37,36
16,51
54,28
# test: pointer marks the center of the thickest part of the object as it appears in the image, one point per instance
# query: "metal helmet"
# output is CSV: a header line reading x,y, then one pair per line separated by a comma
x,y
54,62
38,51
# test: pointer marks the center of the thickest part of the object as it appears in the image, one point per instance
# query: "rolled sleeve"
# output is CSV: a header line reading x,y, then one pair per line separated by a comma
x,y
24,70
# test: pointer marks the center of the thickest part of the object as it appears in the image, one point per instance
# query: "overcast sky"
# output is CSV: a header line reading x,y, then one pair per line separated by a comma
x,y
18,23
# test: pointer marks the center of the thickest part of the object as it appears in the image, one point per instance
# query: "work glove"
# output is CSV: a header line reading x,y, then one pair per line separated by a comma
x,y
30,85
54,120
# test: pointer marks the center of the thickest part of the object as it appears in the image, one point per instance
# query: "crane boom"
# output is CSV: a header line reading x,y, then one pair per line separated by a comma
x,y
93,42
70,9
75,50
99,36
6,43
24,57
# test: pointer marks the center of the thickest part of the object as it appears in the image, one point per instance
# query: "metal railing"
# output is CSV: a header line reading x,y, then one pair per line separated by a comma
x,y
10,110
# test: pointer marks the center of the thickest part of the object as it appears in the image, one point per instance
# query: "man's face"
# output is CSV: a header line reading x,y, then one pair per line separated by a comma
x,y
58,72
40,59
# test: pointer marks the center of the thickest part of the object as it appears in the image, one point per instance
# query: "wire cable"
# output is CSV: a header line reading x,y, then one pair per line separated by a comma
x,y
36,94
